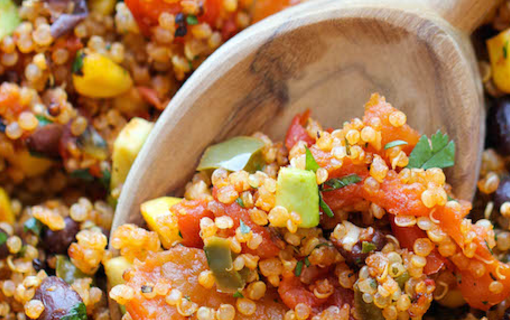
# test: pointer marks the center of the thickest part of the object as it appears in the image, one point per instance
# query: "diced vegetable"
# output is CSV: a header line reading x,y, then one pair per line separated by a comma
x,y
366,311
6,213
297,131
93,144
219,258
239,153
126,148
103,7
114,269
500,60
67,271
160,219
9,18
297,191
31,166
97,76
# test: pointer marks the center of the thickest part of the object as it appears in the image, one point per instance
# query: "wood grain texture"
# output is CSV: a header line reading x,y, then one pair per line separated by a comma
x,y
329,56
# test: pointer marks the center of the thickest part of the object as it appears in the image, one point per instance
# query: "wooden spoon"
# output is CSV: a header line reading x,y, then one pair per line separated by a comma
x,y
329,56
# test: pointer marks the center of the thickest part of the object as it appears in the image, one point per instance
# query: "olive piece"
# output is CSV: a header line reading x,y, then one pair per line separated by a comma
x,y
4,251
57,242
58,297
498,125
356,257
502,194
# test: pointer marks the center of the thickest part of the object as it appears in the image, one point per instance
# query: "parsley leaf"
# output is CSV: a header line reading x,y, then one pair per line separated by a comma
x,y
338,183
439,153
367,247
244,228
325,208
33,225
489,248
3,238
311,164
240,202
191,19
238,295
395,143
43,120
78,312
299,268
307,262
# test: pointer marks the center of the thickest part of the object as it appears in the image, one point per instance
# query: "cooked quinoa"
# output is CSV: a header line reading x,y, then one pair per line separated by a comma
x,y
61,124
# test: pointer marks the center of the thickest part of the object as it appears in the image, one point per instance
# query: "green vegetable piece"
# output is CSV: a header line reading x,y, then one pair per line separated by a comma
x,y
67,270
3,238
33,225
238,295
191,20
240,202
299,268
77,67
402,279
9,18
395,143
367,247
439,153
297,190
42,119
219,258
338,183
78,312
311,164
366,311
239,153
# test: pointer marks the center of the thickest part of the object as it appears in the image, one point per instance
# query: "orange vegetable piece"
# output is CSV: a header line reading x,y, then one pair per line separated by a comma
x,y
181,266
297,131
188,215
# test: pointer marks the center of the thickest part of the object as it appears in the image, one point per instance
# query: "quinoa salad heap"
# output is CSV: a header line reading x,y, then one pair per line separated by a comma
x,y
380,235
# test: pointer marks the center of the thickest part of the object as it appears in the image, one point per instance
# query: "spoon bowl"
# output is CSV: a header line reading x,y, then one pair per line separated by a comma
x,y
327,56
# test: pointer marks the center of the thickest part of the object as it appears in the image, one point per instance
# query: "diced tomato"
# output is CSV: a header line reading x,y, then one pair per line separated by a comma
x,y
407,236
188,215
146,13
377,107
399,198
297,131
265,8
151,96
229,28
476,290
71,43
450,219
268,248
293,291
10,104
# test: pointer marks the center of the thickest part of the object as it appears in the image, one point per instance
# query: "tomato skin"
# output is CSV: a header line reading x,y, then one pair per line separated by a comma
x,y
297,131
407,236
267,249
146,13
189,222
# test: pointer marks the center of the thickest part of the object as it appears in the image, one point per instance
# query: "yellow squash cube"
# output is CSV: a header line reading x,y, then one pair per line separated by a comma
x,y
160,219
499,54
6,214
126,147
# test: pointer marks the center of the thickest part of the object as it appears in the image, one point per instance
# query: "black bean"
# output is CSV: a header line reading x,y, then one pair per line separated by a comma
x,y
179,19
58,298
57,242
498,126
46,140
4,251
503,193
181,31
38,265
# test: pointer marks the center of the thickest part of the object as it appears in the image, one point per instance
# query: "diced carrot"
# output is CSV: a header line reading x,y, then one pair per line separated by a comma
x,y
377,107
292,292
188,215
297,131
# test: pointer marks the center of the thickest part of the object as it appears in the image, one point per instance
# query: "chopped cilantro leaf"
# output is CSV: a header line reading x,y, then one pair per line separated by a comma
x,y
105,178
240,202
489,248
244,228
367,247
191,20
338,183
42,120
180,234
307,262
238,295
394,144
324,206
299,268
77,67
311,164
439,153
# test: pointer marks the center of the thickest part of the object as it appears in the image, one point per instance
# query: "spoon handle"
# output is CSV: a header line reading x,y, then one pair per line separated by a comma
x,y
465,15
